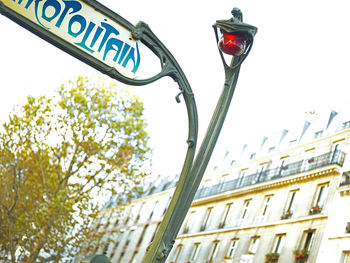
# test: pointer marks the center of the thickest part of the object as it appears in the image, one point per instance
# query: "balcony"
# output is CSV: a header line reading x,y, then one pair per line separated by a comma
x,y
335,157
186,230
260,220
221,225
272,257
203,228
315,210
287,215
347,228
301,258
345,179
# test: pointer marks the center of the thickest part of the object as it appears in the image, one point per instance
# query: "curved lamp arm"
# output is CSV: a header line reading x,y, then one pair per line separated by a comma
x,y
164,239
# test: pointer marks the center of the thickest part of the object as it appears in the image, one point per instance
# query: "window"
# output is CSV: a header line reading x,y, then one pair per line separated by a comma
x,y
177,253
241,177
320,197
132,260
154,207
105,249
139,213
116,244
264,210
308,240
121,256
118,239
226,212
309,159
336,152
195,251
346,124
206,218
214,250
266,203
129,238
207,183
189,222
142,235
128,216
245,209
165,186
108,220
345,257
232,248
291,201
155,231
284,168
100,224
279,242
116,222
318,134
125,247
292,143
152,190
223,179
254,244
262,172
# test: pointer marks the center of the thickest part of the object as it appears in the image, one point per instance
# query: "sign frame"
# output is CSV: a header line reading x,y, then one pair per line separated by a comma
x,y
74,50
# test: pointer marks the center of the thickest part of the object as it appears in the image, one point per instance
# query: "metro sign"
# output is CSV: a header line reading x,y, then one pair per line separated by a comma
x,y
82,28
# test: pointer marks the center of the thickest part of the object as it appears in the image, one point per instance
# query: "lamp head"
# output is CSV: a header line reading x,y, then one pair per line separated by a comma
x,y
233,43
236,36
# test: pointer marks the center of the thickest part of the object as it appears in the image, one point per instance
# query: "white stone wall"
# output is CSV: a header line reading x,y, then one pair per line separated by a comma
x,y
330,239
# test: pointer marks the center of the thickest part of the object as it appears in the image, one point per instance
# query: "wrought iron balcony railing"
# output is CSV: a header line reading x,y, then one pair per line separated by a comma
x,y
287,215
335,157
315,210
345,180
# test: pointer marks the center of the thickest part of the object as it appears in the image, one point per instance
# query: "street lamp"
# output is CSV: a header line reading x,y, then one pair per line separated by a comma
x,y
237,39
98,23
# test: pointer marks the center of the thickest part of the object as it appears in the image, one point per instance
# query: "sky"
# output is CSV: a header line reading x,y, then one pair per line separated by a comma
x,y
299,63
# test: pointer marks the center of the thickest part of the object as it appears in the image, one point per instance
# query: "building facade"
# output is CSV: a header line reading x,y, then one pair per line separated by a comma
x,y
285,201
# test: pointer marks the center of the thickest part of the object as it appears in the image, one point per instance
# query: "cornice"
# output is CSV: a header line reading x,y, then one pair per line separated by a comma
x,y
343,236
330,170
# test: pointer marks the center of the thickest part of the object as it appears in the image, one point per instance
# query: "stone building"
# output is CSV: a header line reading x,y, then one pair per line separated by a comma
x,y
285,201
126,227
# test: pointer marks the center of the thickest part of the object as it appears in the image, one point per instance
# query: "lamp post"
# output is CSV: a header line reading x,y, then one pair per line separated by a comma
x,y
236,39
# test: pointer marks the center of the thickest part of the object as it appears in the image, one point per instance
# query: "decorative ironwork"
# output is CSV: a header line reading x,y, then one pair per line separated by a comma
x,y
335,157
345,179
302,258
272,257
315,210
195,162
347,228
287,215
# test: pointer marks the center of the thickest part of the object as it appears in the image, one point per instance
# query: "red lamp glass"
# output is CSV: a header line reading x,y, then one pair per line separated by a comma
x,y
233,43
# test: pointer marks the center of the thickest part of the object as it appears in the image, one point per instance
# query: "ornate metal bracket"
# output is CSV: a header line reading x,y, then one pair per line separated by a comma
x,y
193,168
189,183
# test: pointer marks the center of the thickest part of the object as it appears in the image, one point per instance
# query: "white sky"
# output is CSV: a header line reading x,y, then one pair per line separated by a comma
x,y
299,62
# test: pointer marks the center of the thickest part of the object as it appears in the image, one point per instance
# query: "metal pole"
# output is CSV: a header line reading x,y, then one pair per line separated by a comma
x,y
188,184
